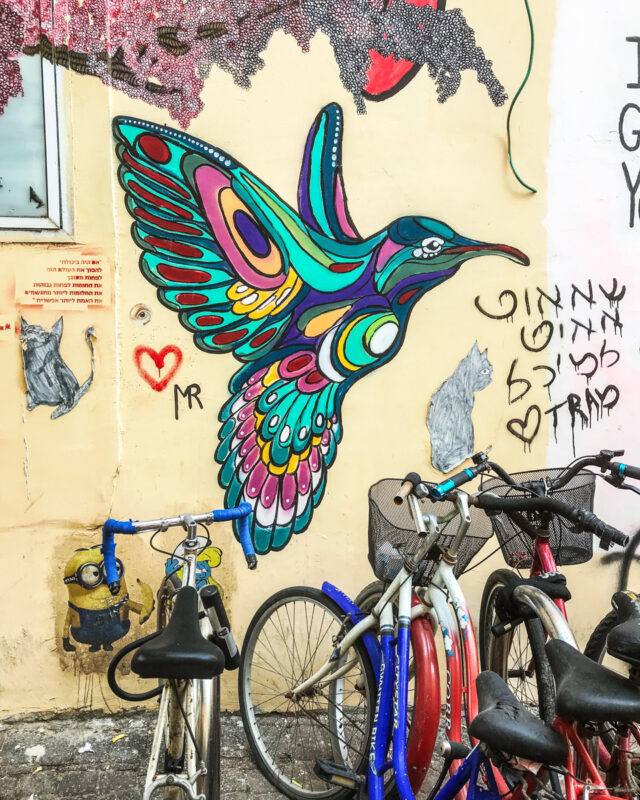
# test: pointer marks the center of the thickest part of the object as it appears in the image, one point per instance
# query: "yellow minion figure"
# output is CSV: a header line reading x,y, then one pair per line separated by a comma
x,y
95,616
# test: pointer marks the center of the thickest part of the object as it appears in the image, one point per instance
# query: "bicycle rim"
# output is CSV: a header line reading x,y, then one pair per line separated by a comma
x,y
289,639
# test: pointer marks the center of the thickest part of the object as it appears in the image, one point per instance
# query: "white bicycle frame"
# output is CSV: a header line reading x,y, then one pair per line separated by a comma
x,y
170,726
436,605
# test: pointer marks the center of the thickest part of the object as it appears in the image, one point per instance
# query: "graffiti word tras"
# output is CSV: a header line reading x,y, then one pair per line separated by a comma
x,y
190,394
160,383
577,329
629,134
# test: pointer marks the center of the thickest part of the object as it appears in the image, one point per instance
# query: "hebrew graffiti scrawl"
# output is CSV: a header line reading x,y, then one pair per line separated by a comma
x,y
308,304
161,52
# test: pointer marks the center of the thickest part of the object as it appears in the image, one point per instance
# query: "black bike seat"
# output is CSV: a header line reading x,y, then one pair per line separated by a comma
x,y
180,650
587,691
505,725
623,641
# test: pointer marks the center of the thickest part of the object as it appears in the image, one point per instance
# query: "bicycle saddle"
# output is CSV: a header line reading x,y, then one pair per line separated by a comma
x,y
587,691
505,725
623,641
180,650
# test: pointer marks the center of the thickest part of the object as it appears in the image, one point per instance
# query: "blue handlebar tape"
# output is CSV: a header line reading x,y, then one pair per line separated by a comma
x,y
241,513
621,469
111,527
109,555
118,526
244,534
225,514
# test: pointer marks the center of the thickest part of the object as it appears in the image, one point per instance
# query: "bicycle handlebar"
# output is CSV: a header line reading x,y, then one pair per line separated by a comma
x,y
620,470
113,526
588,521
438,491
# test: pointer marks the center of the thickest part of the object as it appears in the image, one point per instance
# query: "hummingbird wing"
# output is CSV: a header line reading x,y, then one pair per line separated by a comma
x,y
235,262
279,436
321,195
282,426
222,248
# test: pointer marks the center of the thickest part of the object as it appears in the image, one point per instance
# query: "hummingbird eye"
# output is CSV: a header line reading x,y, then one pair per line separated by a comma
x,y
429,247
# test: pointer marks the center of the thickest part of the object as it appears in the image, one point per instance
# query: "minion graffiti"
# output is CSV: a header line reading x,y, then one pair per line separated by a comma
x,y
208,559
95,616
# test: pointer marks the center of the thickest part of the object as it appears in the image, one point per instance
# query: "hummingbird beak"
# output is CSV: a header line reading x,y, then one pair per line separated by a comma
x,y
485,249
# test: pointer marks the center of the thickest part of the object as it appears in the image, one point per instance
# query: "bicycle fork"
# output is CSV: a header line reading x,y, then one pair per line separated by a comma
x,y
393,683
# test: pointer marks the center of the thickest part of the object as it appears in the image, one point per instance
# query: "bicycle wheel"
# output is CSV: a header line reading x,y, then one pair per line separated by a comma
x,y
518,656
290,637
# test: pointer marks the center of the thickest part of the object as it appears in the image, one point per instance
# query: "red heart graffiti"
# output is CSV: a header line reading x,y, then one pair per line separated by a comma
x,y
158,359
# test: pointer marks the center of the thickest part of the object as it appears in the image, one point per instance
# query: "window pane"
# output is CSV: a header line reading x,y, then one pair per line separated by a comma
x,y
23,173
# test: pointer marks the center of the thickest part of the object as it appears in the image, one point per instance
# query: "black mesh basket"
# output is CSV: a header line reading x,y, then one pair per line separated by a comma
x,y
568,546
393,535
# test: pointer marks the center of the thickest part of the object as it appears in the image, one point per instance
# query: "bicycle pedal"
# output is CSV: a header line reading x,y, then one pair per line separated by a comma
x,y
337,774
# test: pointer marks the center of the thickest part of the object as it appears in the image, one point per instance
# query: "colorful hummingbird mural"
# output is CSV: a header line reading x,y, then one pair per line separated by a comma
x,y
302,299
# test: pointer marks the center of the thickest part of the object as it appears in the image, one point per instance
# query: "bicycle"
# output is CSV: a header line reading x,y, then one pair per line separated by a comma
x,y
522,747
514,647
186,655
312,686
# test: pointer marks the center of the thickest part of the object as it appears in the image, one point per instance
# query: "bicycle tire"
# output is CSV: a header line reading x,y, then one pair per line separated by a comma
x,y
518,656
348,727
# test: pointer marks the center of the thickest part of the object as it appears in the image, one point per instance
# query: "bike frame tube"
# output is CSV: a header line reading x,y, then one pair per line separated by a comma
x,y
466,779
187,780
382,718
566,728
543,561
347,605
400,697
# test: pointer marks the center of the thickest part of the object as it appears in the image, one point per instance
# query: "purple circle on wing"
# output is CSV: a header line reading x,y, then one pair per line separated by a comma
x,y
252,234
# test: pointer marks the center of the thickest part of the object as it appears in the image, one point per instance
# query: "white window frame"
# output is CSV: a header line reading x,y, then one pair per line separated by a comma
x,y
57,224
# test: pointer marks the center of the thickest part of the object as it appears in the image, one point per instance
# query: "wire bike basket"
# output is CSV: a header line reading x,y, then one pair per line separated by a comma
x,y
393,535
568,546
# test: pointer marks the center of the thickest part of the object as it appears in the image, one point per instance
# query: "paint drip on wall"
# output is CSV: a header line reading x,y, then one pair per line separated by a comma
x,y
449,416
162,53
49,380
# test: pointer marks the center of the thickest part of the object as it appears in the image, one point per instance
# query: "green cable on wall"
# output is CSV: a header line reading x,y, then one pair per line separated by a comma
x,y
513,102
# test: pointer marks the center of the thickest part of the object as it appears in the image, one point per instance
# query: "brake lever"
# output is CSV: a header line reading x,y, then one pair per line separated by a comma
x,y
619,483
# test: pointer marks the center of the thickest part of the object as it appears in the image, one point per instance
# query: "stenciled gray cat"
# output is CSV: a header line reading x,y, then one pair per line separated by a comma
x,y
49,380
449,416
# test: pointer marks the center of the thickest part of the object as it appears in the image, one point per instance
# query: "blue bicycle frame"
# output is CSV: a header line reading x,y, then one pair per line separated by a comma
x,y
474,771
393,682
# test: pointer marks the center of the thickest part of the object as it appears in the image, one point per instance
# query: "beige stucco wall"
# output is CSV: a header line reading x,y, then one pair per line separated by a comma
x,y
121,453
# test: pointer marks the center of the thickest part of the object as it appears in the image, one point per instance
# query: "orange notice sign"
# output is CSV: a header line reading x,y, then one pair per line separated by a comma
x,y
68,280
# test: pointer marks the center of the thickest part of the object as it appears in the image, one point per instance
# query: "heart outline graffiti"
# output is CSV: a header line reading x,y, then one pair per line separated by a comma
x,y
158,358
